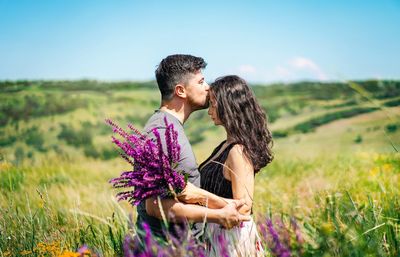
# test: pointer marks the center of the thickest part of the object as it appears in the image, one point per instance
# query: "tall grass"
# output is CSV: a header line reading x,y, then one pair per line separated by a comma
x,y
354,210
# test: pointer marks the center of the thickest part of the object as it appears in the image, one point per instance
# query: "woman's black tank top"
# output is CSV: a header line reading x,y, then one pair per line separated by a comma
x,y
211,174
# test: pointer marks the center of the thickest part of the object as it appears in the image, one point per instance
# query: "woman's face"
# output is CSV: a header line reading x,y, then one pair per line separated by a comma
x,y
212,110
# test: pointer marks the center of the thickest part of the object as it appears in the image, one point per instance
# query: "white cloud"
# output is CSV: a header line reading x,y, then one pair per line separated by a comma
x,y
302,63
294,69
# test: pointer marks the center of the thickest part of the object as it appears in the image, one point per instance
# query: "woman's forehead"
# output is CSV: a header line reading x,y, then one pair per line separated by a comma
x,y
212,96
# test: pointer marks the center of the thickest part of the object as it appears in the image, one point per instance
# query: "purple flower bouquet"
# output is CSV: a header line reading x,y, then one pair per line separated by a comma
x,y
154,171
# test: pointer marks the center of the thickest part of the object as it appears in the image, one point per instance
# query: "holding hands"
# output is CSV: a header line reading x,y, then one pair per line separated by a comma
x,y
227,209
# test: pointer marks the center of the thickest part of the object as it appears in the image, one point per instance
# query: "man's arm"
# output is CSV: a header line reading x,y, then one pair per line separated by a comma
x,y
176,211
195,195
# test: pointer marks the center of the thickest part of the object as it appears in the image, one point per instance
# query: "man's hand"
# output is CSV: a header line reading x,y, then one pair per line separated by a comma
x,y
191,194
231,216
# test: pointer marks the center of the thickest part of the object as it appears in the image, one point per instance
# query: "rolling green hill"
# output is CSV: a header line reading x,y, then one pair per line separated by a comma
x,y
67,117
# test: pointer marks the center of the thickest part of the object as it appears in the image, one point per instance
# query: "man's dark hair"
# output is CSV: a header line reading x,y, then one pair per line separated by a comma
x,y
175,69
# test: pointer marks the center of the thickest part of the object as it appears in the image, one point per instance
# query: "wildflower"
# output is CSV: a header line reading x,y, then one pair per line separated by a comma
x,y
296,229
129,245
69,254
147,238
374,171
277,248
386,167
25,252
4,165
153,171
84,250
52,248
327,228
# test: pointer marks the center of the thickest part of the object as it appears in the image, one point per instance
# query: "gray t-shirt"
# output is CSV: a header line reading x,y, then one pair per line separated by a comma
x,y
187,163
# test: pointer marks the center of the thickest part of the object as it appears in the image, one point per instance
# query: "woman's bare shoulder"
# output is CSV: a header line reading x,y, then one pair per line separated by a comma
x,y
236,155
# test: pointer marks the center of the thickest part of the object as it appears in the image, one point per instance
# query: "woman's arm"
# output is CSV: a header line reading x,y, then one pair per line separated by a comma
x,y
195,195
175,211
241,173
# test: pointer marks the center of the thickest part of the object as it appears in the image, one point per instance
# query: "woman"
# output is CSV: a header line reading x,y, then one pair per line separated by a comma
x,y
230,170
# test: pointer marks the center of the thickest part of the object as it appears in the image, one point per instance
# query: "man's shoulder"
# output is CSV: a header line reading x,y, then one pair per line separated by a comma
x,y
157,120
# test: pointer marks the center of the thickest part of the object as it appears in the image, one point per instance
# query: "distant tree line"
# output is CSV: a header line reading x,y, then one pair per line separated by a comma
x,y
74,85
330,90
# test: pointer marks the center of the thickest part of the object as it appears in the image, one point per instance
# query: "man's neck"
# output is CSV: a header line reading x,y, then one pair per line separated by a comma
x,y
177,112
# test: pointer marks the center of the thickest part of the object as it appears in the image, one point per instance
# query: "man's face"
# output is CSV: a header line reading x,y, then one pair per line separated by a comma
x,y
197,91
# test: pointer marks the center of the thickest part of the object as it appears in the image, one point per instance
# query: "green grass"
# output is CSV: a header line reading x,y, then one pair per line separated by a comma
x,y
340,181
335,199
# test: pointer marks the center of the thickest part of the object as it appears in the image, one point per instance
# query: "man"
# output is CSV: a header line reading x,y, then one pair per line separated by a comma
x,y
183,91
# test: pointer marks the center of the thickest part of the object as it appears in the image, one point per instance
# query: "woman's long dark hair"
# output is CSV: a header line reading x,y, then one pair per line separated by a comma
x,y
243,119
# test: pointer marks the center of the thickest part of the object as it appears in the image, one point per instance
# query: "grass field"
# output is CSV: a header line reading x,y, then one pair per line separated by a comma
x,y
339,179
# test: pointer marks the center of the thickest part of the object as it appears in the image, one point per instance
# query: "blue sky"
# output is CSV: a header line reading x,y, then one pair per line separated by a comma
x,y
263,41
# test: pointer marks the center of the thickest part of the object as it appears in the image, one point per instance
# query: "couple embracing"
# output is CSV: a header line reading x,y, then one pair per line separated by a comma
x,y
220,190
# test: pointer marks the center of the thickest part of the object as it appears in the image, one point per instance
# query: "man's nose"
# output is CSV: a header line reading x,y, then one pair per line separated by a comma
x,y
207,86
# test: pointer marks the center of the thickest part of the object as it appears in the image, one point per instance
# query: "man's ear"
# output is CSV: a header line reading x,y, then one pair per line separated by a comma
x,y
180,90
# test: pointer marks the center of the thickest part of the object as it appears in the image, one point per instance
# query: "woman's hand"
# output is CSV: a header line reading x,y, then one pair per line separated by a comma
x,y
231,216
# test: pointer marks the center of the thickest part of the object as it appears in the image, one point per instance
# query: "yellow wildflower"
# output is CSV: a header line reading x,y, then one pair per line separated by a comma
x,y
69,254
25,252
53,248
386,167
374,171
327,228
5,165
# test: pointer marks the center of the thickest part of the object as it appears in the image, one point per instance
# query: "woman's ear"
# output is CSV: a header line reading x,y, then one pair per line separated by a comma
x,y
180,90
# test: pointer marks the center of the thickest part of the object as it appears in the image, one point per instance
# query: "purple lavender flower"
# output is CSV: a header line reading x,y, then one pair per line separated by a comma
x,y
153,171
277,248
83,250
129,245
297,232
283,231
147,239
